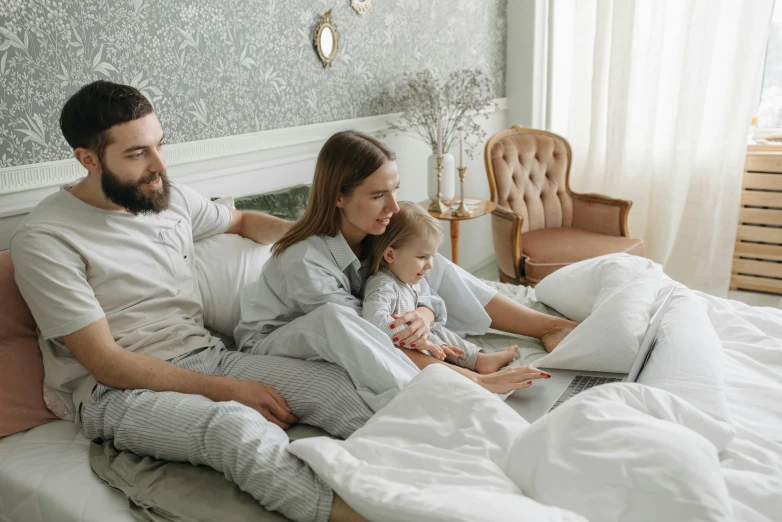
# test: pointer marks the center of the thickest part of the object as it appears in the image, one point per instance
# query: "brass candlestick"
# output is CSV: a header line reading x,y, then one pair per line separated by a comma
x,y
462,211
438,206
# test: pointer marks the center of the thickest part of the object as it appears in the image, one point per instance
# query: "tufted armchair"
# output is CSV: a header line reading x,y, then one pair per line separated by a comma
x,y
540,225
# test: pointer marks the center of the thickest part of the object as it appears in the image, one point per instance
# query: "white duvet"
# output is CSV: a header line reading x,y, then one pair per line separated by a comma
x,y
698,438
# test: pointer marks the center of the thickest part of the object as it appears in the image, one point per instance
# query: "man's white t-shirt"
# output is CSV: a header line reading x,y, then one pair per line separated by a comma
x,y
75,263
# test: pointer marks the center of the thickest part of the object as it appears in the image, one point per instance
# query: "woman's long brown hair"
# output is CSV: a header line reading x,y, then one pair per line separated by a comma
x,y
345,161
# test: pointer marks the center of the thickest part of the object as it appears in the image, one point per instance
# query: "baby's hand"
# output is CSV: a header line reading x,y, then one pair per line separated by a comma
x,y
453,351
440,352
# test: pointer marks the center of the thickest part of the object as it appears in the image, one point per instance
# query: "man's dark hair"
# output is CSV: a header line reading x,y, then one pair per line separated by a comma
x,y
95,108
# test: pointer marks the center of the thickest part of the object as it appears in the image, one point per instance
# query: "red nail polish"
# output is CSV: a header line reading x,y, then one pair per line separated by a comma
x,y
396,339
401,344
412,345
393,326
546,375
529,382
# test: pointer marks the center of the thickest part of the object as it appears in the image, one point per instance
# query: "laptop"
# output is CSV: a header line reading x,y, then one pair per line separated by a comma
x,y
548,394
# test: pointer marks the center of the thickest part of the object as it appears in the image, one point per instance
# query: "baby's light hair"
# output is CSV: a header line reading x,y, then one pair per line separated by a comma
x,y
409,224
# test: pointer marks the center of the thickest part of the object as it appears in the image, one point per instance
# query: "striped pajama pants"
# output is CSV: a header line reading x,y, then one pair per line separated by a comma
x,y
230,437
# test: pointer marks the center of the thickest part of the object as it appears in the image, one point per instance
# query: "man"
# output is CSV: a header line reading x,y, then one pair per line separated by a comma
x,y
106,268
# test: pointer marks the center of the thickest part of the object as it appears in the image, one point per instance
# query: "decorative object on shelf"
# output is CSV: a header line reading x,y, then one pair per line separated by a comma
x,y
424,100
326,39
437,205
751,132
447,177
361,6
462,210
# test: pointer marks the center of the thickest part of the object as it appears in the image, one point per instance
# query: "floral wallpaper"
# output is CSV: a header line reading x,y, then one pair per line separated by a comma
x,y
219,68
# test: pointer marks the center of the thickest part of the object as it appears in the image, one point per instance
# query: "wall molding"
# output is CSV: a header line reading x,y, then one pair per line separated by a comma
x,y
204,172
527,62
23,178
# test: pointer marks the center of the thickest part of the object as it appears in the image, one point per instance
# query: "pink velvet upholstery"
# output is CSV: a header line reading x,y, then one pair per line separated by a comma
x,y
540,224
21,367
531,171
548,249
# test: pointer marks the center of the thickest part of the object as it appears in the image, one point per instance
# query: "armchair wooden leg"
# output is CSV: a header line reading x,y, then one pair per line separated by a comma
x,y
505,278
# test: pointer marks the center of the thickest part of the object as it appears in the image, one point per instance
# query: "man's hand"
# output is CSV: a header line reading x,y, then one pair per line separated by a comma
x,y
96,350
263,399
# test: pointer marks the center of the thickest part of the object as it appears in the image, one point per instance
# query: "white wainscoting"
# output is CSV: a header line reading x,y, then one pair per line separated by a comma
x,y
264,161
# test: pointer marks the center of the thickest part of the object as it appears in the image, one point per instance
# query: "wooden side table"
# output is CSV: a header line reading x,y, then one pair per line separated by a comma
x,y
480,209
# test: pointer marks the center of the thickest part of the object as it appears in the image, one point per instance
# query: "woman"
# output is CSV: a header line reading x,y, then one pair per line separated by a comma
x,y
307,302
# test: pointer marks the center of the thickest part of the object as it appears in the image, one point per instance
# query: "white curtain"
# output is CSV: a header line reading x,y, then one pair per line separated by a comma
x,y
656,98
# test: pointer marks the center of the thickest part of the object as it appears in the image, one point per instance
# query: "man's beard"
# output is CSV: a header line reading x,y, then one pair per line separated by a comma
x,y
131,197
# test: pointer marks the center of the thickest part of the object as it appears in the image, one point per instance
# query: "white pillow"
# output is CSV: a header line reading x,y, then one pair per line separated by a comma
x,y
224,264
573,290
688,358
608,340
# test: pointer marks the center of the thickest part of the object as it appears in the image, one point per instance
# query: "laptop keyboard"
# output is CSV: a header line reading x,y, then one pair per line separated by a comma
x,y
579,384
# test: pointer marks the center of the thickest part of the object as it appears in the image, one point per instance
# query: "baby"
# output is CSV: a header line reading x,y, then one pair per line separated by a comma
x,y
400,259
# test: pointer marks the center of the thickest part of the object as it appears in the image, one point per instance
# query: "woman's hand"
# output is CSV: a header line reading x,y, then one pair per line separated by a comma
x,y
510,379
417,331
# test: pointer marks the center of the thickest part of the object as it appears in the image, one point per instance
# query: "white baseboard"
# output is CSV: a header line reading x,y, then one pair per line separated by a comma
x,y
482,264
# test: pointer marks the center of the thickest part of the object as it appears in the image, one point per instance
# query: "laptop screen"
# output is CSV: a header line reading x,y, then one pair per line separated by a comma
x,y
650,339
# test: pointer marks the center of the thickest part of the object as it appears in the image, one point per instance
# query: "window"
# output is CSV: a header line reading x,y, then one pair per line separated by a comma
x,y
770,108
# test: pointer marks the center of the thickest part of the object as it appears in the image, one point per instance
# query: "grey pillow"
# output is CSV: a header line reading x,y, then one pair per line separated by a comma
x,y
288,203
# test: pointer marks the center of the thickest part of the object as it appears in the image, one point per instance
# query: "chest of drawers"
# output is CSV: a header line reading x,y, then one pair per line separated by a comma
x,y
757,258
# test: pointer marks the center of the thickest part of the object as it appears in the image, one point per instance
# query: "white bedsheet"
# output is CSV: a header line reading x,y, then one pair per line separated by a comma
x,y
703,441
45,476
450,451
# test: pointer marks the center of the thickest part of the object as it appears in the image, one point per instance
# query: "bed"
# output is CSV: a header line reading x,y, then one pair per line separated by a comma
x,y
45,475
470,471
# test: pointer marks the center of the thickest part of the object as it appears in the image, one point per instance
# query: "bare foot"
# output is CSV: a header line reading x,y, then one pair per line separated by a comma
x,y
491,362
554,337
341,512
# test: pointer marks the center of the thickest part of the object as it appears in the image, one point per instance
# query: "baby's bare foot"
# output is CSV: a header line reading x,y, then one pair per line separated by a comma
x,y
492,362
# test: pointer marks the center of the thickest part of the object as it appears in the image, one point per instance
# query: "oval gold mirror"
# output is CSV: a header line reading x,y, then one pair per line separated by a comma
x,y
326,39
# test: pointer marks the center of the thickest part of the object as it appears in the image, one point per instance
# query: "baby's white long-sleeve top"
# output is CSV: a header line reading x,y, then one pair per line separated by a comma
x,y
385,294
